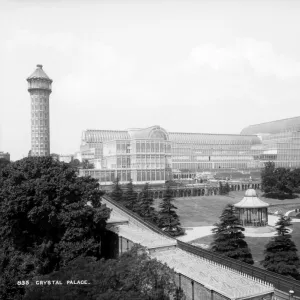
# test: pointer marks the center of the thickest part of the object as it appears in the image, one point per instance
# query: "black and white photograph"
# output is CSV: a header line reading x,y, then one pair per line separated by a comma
x,y
149,150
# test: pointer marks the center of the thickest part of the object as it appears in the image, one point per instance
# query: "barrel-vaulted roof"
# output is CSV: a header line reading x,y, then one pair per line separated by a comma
x,y
99,136
39,73
251,201
273,127
154,132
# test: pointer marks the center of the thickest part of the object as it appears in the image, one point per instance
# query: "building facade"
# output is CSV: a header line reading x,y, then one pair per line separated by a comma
x,y
280,142
39,87
5,155
152,154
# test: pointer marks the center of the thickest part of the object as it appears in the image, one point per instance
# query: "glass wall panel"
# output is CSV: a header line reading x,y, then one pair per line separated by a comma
x,y
143,175
152,175
156,147
138,147
152,147
147,147
158,175
139,175
119,175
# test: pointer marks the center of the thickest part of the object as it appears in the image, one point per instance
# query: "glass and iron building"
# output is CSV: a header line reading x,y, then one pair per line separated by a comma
x,y
154,155
280,142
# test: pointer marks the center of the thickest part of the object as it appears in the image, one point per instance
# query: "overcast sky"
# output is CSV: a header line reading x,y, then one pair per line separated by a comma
x,y
188,66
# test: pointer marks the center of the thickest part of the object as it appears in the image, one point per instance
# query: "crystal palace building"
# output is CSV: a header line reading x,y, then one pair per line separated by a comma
x,y
155,155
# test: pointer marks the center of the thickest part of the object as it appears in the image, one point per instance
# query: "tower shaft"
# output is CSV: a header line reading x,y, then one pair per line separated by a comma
x,y
40,89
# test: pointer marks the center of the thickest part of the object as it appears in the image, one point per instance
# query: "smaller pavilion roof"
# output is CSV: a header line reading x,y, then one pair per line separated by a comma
x,y
251,201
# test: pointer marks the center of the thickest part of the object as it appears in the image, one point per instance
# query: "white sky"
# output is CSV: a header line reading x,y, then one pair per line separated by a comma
x,y
188,66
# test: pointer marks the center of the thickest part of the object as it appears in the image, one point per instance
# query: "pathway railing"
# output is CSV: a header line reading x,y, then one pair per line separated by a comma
x,y
280,282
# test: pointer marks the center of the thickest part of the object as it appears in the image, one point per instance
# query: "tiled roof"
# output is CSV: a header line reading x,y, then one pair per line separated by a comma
x,y
39,73
135,231
273,126
226,281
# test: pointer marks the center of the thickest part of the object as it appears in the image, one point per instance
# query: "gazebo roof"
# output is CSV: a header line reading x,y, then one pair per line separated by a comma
x,y
251,201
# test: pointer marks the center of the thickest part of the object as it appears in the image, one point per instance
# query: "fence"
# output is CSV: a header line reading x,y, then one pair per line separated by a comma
x,y
281,283
137,217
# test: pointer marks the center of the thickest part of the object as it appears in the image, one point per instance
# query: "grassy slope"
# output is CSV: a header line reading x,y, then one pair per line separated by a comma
x,y
205,211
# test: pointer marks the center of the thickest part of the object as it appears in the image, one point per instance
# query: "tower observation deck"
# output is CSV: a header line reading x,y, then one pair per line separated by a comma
x,y
39,87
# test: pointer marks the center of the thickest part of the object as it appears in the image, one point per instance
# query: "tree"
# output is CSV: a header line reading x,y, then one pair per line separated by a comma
x,y
229,239
133,276
145,203
45,221
86,164
281,252
227,188
117,192
168,219
279,182
130,196
75,163
224,189
268,177
3,163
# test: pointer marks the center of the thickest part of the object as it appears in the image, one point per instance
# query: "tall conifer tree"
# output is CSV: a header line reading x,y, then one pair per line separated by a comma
x,y
130,197
281,253
168,219
229,239
117,192
145,203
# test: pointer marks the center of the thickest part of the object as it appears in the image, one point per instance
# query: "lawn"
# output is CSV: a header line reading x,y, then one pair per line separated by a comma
x,y
205,211
257,244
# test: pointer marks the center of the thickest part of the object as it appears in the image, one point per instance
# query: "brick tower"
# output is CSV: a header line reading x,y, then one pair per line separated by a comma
x,y
39,87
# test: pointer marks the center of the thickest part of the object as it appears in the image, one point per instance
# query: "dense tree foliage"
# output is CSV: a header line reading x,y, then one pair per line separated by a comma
x,y
3,163
117,192
281,253
279,183
132,276
144,205
168,220
229,239
75,163
86,164
45,221
130,197
224,189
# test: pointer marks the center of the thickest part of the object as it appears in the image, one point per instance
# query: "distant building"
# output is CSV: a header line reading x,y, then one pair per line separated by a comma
x,y
39,87
5,155
280,142
67,158
152,154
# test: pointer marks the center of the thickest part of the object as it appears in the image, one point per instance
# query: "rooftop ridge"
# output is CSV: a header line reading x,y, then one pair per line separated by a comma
x,y
273,121
200,133
170,133
105,130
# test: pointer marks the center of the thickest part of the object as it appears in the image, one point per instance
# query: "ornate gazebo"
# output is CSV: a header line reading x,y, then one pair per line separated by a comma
x,y
251,210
